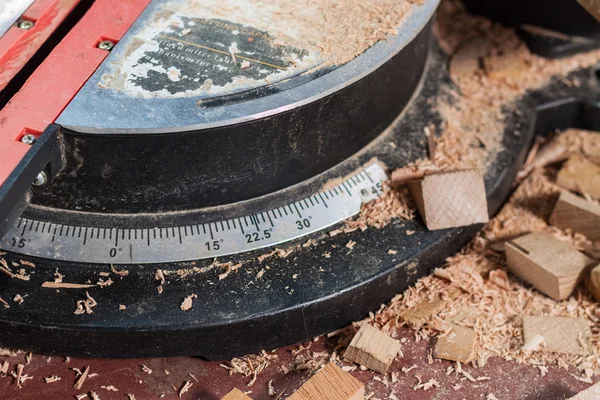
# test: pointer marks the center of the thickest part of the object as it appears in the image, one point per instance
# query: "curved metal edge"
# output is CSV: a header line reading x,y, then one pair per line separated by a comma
x,y
189,117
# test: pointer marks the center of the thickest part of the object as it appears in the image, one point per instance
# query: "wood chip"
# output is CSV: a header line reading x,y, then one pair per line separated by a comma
x,y
146,369
187,302
186,386
423,312
560,334
330,383
580,175
372,349
578,214
94,396
550,265
20,368
236,394
81,379
110,388
591,393
64,285
457,345
52,378
451,199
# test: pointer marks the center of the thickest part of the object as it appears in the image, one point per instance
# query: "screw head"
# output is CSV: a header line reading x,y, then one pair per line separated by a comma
x,y
41,179
26,25
28,139
106,45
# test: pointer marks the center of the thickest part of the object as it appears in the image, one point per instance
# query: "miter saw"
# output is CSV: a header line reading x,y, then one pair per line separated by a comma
x,y
134,139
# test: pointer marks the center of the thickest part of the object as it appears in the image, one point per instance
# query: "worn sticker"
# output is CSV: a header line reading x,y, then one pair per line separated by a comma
x,y
179,56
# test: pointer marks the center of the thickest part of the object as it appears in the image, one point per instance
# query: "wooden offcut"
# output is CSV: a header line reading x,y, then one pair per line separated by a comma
x,y
372,349
594,283
423,312
451,199
591,393
331,383
236,394
550,265
558,334
578,214
457,345
580,175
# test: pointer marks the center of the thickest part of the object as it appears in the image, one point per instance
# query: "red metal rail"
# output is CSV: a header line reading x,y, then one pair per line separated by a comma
x,y
58,79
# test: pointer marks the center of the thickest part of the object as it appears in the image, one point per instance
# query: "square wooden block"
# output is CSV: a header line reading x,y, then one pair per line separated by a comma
x,y
550,265
577,214
372,349
559,334
457,345
330,383
451,199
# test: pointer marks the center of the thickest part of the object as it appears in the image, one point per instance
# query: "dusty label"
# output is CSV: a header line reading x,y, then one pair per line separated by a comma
x,y
181,56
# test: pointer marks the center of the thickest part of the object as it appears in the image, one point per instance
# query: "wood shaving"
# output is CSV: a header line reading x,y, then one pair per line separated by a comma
x,y
110,388
81,378
121,273
52,378
186,386
187,302
18,375
4,303
94,396
85,306
64,285
146,369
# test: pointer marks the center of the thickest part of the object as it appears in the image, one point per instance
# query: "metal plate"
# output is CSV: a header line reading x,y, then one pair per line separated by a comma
x,y
164,32
113,245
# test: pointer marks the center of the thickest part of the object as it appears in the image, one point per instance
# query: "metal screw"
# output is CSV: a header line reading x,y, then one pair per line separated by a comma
x,y
106,45
41,179
26,25
28,139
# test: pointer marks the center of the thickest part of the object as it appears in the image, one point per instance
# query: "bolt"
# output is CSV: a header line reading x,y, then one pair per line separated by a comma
x,y
106,45
41,179
26,25
28,139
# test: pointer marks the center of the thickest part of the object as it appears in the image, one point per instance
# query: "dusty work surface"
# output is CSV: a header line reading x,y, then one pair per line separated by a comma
x,y
508,380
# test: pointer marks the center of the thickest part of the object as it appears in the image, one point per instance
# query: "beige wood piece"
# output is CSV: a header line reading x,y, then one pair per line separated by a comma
x,y
372,349
236,394
423,312
594,283
550,265
465,62
509,65
580,175
558,334
591,393
451,199
330,383
457,345
578,214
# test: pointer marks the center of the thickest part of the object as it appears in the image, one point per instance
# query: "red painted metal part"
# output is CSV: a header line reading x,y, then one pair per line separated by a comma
x,y
58,79
17,46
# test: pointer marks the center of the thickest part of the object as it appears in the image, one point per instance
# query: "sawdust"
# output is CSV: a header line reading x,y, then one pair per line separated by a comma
x,y
337,31
478,279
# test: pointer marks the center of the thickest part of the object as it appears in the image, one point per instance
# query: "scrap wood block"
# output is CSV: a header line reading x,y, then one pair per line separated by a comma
x,y
451,199
236,394
580,175
578,214
559,334
594,283
372,349
330,383
422,312
591,393
550,265
457,345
